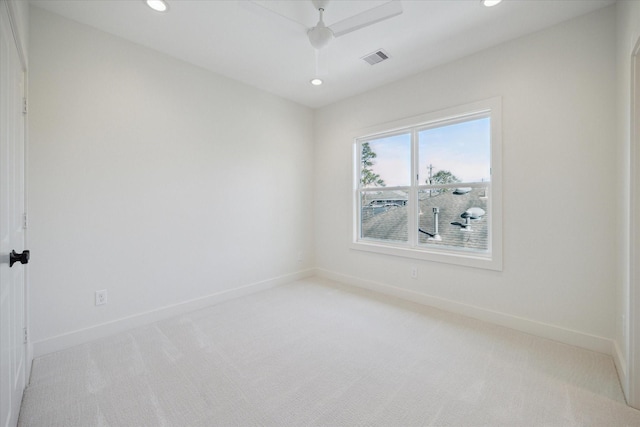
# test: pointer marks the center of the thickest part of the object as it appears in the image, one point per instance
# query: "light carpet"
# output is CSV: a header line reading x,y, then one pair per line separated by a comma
x,y
316,353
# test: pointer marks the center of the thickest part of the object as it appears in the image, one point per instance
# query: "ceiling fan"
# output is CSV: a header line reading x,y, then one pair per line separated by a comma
x,y
320,35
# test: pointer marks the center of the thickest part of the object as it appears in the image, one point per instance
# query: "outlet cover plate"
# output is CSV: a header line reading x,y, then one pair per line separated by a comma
x,y
101,297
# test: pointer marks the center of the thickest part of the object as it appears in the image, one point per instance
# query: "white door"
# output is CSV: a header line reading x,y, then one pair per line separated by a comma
x,y
12,278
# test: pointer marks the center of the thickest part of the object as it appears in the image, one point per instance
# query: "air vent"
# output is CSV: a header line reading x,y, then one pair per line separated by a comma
x,y
376,57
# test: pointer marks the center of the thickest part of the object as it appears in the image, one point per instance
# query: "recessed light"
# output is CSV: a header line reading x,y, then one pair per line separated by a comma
x,y
158,5
489,3
316,82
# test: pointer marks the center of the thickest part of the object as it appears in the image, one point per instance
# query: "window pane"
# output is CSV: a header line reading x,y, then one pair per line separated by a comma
x,y
462,218
384,215
459,152
386,162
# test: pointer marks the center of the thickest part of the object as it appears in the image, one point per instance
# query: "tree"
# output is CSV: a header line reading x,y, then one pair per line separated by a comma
x,y
367,176
443,177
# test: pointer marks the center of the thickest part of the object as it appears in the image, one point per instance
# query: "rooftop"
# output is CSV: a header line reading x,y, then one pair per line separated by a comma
x,y
389,222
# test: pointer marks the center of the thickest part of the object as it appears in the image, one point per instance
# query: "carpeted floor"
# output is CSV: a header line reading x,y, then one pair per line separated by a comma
x,y
315,353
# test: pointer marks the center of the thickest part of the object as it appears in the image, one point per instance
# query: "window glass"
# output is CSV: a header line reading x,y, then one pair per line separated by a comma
x,y
386,162
462,218
384,215
459,152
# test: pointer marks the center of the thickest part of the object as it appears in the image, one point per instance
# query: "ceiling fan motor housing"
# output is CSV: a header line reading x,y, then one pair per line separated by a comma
x,y
320,4
320,35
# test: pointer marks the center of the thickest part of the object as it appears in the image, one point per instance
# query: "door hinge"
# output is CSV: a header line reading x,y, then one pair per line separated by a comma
x,y
24,105
26,335
24,221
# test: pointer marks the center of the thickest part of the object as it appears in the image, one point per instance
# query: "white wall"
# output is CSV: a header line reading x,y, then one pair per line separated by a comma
x,y
628,34
156,180
561,189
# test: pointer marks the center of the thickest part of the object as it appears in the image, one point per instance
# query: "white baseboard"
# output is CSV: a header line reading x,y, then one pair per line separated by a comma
x,y
556,333
81,336
533,327
620,361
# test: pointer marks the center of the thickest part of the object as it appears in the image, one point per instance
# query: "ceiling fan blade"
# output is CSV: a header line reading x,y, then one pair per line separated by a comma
x,y
366,18
262,8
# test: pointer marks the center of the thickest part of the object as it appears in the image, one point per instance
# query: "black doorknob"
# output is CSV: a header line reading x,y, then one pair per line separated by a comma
x,y
23,258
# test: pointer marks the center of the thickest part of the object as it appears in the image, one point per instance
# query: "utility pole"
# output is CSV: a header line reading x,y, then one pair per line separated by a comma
x,y
430,167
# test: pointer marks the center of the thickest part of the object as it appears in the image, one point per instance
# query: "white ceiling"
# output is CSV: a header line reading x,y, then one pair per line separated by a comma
x,y
251,44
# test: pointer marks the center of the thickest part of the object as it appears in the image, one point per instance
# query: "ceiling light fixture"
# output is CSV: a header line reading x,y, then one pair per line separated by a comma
x,y
316,82
490,3
158,5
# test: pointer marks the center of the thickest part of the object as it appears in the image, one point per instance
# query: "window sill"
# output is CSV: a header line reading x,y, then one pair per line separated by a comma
x,y
487,262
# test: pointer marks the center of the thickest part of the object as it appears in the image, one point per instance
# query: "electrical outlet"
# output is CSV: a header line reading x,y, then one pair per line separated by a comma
x,y
101,297
414,272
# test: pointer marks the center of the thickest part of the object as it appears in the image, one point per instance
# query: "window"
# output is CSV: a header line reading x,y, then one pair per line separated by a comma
x,y
429,187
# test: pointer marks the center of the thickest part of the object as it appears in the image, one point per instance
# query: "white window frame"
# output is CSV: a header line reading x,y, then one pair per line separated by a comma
x,y
492,259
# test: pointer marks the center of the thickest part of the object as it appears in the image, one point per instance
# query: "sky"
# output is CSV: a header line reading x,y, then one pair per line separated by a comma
x,y
463,149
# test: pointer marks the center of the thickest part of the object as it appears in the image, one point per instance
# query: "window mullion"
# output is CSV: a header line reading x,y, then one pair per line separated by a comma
x,y
413,214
